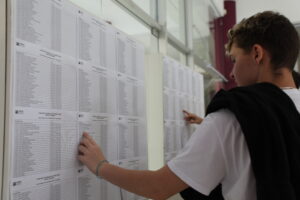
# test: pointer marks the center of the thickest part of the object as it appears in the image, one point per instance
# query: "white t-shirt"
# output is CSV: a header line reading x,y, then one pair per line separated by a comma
x,y
217,153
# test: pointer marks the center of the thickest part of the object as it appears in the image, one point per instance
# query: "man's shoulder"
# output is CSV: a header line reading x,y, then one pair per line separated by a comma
x,y
221,116
224,123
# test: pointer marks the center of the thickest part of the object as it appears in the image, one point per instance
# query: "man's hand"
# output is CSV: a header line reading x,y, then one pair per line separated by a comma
x,y
90,153
192,118
159,184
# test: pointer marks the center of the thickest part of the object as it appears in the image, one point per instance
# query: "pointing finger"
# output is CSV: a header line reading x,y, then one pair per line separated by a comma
x,y
185,112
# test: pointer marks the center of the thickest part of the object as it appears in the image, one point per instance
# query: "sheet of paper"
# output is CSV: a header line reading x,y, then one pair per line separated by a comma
x,y
129,56
49,188
103,129
34,22
131,97
90,187
44,141
44,79
97,88
131,143
172,140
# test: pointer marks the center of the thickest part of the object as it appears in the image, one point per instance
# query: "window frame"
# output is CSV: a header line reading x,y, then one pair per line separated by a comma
x,y
158,28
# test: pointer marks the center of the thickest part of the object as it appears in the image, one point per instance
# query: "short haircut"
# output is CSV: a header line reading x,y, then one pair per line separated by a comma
x,y
272,31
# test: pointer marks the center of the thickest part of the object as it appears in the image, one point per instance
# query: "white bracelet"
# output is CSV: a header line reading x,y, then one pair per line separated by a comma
x,y
99,165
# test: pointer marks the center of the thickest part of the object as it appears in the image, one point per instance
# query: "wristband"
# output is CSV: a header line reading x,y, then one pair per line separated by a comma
x,y
99,165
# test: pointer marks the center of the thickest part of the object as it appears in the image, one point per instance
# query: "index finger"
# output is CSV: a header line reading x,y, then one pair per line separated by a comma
x,y
87,136
185,112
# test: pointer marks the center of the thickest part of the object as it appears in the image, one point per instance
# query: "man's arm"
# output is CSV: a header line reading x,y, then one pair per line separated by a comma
x,y
159,184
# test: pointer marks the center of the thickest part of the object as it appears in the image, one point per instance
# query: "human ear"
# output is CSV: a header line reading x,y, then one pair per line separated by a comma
x,y
258,52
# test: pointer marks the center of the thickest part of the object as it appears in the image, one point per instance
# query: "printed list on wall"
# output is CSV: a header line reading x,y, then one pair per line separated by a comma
x,y
72,72
183,90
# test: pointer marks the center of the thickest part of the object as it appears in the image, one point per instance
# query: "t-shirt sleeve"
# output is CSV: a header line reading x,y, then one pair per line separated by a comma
x,y
201,163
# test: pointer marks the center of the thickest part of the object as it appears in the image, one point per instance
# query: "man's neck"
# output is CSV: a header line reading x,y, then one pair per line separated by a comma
x,y
282,77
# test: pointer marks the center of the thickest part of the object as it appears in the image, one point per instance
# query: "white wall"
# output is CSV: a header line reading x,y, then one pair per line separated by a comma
x,y
289,8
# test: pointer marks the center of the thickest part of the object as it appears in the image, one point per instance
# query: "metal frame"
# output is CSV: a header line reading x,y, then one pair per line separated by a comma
x,y
162,19
2,85
189,31
178,44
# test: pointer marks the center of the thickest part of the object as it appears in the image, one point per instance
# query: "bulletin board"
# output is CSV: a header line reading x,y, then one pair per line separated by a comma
x,y
69,72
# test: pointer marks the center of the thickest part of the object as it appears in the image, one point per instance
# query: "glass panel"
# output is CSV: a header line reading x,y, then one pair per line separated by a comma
x,y
176,54
176,19
203,38
119,18
149,6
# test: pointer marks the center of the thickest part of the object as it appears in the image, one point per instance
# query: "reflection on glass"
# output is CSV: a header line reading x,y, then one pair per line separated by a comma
x,y
176,19
203,41
119,18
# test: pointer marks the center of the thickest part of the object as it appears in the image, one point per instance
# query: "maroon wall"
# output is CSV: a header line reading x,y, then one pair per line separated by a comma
x,y
221,27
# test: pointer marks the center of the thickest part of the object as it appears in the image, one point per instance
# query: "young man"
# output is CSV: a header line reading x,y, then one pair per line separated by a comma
x,y
249,142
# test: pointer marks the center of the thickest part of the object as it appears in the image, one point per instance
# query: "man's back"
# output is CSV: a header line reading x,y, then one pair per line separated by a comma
x,y
218,153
